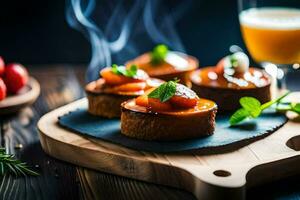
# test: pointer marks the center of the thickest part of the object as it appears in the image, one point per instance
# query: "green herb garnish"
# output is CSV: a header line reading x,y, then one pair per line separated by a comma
x,y
251,108
165,91
233,60
159,54
294,107
121,70
9,164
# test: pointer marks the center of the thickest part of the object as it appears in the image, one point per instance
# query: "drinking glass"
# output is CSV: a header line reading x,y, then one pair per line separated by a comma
x,y
271,32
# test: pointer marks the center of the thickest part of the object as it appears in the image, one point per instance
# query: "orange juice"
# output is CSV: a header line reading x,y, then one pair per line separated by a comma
x,y
272,34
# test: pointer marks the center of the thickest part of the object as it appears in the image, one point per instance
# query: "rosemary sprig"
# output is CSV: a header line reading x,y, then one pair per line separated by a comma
x,y
9,164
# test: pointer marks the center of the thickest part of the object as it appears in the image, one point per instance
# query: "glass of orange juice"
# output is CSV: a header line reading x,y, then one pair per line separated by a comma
x,y
271,32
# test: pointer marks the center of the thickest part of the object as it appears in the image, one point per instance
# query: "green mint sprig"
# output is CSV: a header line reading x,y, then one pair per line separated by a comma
x,y
165,91
159,54
10,165
121,70
294,107
251,108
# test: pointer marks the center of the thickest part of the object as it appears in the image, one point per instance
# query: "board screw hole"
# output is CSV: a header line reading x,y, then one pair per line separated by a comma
x,y
222,173
294,143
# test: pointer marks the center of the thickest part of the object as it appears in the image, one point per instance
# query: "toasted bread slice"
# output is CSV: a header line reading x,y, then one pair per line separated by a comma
x,y
138,122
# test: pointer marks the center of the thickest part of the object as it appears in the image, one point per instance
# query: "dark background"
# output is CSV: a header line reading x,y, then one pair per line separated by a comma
x,y
36,32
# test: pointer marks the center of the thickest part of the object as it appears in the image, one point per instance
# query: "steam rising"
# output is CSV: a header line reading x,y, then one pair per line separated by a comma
x,y
118,31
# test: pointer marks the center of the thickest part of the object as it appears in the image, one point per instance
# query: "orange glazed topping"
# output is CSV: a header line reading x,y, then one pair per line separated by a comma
x,y
118,79
163,61
232,72
183,100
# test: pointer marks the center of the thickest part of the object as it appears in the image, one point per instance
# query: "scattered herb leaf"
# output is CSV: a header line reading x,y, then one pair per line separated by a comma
x,y
251,108
9,164
268,104
252,105
165,91
239,116
294,107
159,54
121,70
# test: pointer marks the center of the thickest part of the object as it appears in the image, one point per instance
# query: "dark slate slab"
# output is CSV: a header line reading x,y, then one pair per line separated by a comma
x,y
81,122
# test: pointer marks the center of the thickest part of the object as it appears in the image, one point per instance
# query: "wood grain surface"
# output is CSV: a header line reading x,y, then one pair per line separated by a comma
x,y
60,180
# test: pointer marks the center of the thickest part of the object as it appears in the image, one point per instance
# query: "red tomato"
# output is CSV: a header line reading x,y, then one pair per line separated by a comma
x,y
15,77
2,90
157,105
142,100
152,103
115,79
131,87
2,66
184,102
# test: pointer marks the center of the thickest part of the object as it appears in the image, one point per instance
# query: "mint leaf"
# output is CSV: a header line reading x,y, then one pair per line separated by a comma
x,y
121,70
114,69
238,116
132,71
270,103
296,108
233,60
252,108
252,105
168,92
249,103
164,92
158,91
159,54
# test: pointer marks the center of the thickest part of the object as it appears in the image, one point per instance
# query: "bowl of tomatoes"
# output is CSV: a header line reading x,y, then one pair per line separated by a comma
x,y
17,88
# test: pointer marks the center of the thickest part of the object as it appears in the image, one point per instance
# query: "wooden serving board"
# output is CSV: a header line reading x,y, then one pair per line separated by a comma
x,y
224,175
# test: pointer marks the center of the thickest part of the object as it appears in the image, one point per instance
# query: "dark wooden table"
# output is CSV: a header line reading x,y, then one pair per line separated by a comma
x,y
61,180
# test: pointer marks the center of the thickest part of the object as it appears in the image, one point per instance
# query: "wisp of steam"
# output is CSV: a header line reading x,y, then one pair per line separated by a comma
x,y
120,30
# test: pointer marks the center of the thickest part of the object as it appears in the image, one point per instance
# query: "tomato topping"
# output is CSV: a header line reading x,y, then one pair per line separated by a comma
x,y
142,100
183,102
131,87
152,103
115,79
157,105
183,98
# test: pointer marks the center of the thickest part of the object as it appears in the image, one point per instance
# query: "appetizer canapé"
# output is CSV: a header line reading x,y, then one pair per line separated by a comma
x,y
117,85
231,80
165,64
169,112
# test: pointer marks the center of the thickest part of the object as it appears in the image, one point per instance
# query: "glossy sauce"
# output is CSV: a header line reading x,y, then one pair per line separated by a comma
x,y
202,106
175,62
252,79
